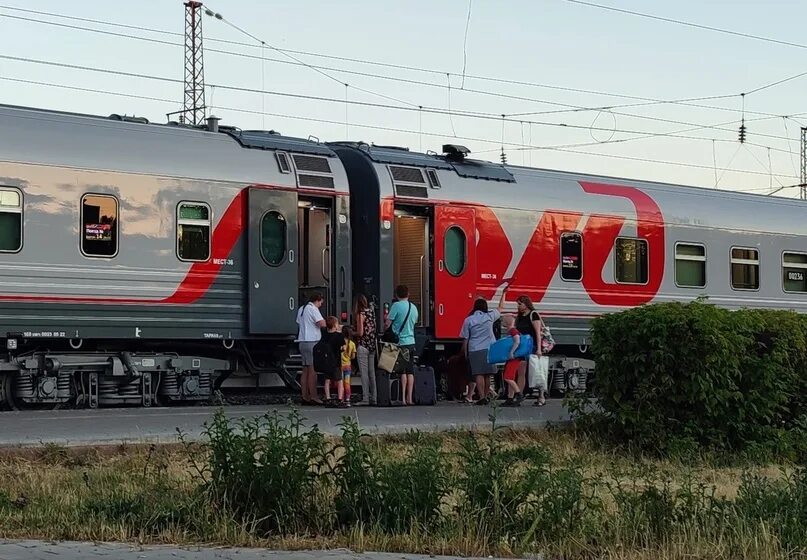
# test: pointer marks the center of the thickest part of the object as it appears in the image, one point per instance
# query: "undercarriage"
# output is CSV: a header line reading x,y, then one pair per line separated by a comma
x,y
93,379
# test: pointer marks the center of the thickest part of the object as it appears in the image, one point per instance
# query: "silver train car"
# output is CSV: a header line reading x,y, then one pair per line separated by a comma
x,y
144,263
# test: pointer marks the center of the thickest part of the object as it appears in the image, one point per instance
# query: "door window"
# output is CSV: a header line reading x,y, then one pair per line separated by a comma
x,y
455,250
273,238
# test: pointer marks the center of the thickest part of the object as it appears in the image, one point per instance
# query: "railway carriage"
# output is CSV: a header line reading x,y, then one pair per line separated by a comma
x,y
144,263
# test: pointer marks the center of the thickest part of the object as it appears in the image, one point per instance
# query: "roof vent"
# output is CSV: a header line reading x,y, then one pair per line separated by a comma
x,y
455,152
125,118
213,123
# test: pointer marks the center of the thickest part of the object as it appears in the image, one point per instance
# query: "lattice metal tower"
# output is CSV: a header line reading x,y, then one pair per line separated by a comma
x,y
803,184
194,107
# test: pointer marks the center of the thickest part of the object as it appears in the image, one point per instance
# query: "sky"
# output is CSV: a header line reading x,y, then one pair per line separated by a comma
x,y
550,46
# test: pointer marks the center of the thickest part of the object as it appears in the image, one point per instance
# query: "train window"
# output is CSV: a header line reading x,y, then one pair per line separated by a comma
x,y
455,251
193,231
744,268
10,220
99,225
631,261
690,265
571,256
794,272
273,238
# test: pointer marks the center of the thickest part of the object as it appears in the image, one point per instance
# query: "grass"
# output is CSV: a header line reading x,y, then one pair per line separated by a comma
x,y
507,492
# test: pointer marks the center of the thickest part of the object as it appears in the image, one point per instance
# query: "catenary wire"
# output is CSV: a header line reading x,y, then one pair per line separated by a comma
x,y
389,129
433,110
689,24
569,108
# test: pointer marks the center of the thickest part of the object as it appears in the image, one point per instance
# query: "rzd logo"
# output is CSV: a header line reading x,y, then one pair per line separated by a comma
x,y
541,258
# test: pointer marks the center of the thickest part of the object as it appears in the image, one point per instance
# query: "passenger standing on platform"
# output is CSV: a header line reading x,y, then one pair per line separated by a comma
x,y
310,323
333,369
367,333
348,355
513,364
477,334
403,316
528,322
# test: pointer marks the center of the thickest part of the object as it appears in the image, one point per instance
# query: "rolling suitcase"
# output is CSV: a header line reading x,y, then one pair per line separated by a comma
x,y
388,388
425,392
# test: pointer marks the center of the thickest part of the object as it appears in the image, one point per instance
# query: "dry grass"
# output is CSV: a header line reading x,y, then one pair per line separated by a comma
x,y
149,494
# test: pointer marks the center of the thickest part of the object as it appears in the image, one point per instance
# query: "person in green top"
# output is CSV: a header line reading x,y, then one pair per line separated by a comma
x,y
403,316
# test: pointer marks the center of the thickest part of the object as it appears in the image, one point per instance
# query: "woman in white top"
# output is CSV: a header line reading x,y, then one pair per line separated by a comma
x,y
477,336
311,324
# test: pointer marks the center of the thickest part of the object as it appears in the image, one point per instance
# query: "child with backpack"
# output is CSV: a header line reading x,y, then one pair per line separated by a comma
x,y
348,355
333,341
512,364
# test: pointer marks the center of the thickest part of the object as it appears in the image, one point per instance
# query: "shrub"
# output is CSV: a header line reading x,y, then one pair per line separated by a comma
x,y
392,494
267,470
781,504
672,377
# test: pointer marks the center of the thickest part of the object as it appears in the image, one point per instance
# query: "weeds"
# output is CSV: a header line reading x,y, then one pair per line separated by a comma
x,y
274,482
267,471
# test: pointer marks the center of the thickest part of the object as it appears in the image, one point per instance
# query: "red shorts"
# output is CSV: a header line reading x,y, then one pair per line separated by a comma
x,y
511,369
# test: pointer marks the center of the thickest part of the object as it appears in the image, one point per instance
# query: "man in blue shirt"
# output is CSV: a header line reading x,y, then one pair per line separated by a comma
x,y
403,316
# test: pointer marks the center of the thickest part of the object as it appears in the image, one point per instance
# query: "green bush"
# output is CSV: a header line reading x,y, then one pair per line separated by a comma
x,y
674,377
390,494
267,470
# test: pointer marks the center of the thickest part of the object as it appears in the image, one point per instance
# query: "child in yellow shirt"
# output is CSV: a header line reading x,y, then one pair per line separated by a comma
x,y
348,355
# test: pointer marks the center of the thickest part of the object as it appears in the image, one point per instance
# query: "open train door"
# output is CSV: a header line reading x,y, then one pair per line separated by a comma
x,y
455,275
272,276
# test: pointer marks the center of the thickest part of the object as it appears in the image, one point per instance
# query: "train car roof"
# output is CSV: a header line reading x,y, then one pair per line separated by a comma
x,y
251,139
478,169
469,168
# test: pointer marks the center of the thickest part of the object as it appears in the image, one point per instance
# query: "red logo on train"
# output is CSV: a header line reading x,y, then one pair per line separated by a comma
x,y
541,259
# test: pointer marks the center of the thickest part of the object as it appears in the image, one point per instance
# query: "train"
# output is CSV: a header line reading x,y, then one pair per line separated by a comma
x,y
146,264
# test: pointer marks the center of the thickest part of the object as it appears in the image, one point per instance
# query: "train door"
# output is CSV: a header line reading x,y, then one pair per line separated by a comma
x,y
272,272
315,265
455,274
411,260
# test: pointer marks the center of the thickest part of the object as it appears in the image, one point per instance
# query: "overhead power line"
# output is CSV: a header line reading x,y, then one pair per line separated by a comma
x,y
574,108
431,110
496,142
645,101
689,24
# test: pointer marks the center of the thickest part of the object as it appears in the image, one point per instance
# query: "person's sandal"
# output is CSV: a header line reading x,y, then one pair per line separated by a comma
x,y
541,401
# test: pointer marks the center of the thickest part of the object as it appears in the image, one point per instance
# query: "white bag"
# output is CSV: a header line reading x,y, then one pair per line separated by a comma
x,y
538,373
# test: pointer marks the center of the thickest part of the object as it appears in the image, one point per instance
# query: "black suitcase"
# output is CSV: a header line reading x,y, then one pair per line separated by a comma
x,y
388,388
425,392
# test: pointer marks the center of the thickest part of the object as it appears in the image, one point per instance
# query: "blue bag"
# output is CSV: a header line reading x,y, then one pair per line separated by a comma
x,y
499,351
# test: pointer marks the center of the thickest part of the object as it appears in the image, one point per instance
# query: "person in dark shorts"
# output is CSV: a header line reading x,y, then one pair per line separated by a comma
x,y
402,317
333,377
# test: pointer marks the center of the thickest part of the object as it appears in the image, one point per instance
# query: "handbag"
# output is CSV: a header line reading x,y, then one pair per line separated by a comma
x,y
389,358
538,372
390,335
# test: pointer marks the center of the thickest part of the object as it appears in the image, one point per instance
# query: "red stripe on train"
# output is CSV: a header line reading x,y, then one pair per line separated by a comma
x,y
198,279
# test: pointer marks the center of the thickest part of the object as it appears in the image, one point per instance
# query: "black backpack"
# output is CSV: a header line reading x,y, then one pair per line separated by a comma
x,y
324,360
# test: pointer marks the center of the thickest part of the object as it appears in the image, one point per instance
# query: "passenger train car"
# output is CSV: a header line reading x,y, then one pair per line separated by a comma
x,y
144,263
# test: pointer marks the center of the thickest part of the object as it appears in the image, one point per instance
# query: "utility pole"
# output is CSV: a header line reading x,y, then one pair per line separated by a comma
x,y
194,107
803,183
